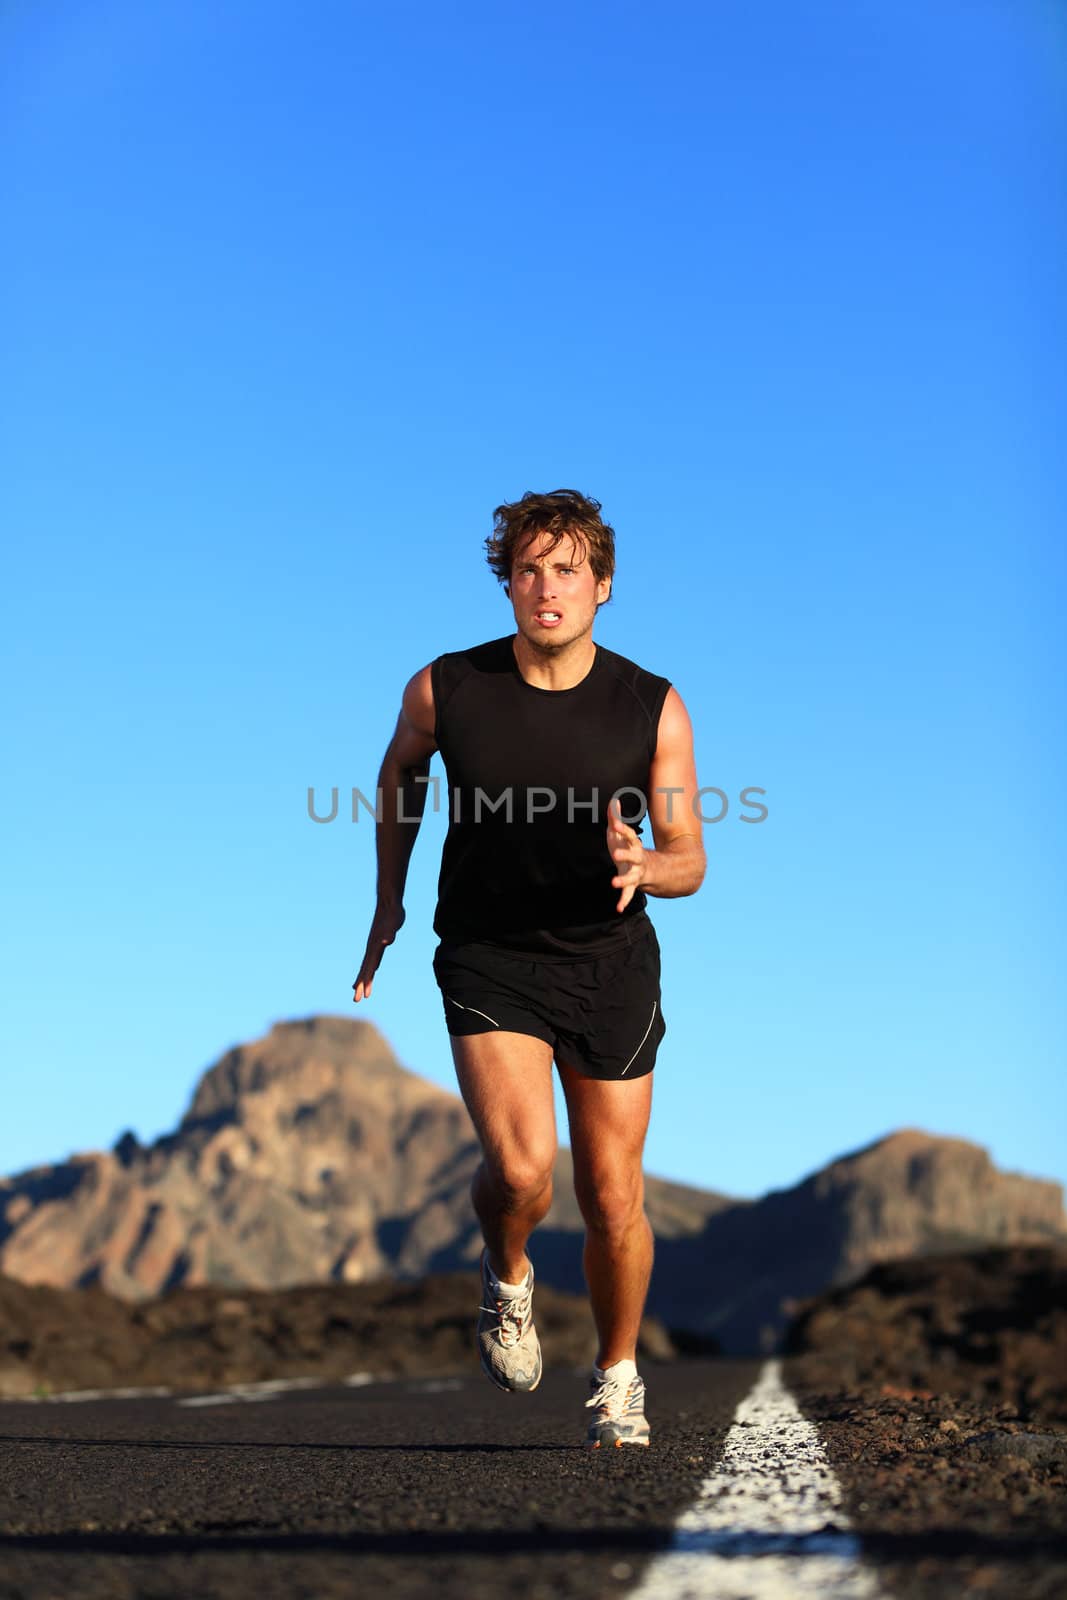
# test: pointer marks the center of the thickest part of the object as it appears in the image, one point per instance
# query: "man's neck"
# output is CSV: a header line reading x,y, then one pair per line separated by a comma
x,y
554,669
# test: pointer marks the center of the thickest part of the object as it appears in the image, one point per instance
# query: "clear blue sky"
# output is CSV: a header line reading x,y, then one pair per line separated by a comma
x,y
293,295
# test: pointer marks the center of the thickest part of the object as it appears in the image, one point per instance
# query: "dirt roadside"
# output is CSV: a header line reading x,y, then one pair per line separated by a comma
x,y
939,1386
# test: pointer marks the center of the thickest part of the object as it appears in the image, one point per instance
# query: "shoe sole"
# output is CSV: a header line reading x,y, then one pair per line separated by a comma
x,y
606,1444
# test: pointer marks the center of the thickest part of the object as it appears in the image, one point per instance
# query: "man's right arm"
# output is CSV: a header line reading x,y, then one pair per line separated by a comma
x,y
403,802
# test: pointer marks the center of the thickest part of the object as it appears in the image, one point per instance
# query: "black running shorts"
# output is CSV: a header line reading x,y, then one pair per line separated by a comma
x,y
601,1014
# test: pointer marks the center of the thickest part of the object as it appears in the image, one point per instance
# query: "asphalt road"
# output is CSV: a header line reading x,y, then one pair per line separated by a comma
x,y
443,1487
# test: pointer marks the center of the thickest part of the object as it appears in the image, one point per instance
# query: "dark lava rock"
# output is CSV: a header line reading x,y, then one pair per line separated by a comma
x,y
989,1324
61,1339
1044,1449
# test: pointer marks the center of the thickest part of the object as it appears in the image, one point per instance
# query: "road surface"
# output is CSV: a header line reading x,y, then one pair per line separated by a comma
x,y
449,1488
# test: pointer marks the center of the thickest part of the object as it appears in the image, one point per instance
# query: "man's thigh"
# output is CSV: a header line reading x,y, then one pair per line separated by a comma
x,y
506,1082
608,1122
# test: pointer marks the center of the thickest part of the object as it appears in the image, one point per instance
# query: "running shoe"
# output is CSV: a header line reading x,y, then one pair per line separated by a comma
x,y
617,1395
507,1340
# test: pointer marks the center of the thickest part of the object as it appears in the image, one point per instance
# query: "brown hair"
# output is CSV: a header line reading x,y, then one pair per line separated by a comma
x,y
561,513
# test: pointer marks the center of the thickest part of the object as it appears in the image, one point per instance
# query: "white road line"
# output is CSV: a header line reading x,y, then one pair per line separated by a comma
x,y
88,1394
264,1390
769,1523
269,1388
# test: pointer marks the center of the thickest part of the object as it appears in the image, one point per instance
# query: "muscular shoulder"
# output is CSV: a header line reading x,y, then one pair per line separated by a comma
x,y
429,689
415,736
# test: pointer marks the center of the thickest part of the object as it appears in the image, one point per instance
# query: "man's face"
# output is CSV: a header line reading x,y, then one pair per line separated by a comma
x,y
553,592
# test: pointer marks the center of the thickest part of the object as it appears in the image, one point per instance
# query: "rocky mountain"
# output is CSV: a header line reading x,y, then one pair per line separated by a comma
x,y
909,1194
311,1155
307,1155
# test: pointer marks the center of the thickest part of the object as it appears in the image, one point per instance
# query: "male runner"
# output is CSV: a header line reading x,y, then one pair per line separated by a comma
x,y
546,950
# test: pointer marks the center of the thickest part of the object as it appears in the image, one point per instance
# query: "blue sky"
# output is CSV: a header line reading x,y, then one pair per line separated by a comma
x,y
295,295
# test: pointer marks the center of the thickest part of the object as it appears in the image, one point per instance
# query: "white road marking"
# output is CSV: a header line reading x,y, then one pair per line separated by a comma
x,y
268,1388
769,1523
87,1394
265,1390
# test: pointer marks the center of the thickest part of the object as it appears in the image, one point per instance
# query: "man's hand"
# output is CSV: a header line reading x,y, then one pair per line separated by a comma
x,y
388,920
627,852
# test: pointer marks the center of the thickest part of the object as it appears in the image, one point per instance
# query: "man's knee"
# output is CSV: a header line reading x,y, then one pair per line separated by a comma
x,y
613,1203
519,1176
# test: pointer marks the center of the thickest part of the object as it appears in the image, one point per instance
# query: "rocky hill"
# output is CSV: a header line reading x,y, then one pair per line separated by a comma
x,y
911,1193
311,1155
307,1155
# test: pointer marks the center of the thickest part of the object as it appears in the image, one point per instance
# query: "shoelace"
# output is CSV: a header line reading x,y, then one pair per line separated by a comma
x,y
514,1315
612,1394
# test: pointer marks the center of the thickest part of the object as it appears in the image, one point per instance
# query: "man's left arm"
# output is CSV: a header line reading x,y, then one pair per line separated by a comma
x,y
677,864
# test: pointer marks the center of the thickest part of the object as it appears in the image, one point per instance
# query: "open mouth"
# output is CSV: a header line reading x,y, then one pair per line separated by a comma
x,y
548,619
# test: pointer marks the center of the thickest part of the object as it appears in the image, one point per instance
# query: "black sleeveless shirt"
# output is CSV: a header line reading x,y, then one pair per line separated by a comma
x,y
525,864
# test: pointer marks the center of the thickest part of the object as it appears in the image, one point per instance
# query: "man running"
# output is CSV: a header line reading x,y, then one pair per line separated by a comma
x,y
547,953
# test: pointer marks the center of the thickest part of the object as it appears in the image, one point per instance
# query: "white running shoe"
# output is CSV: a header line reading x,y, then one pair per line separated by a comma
x,y
618,1396
507,1340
